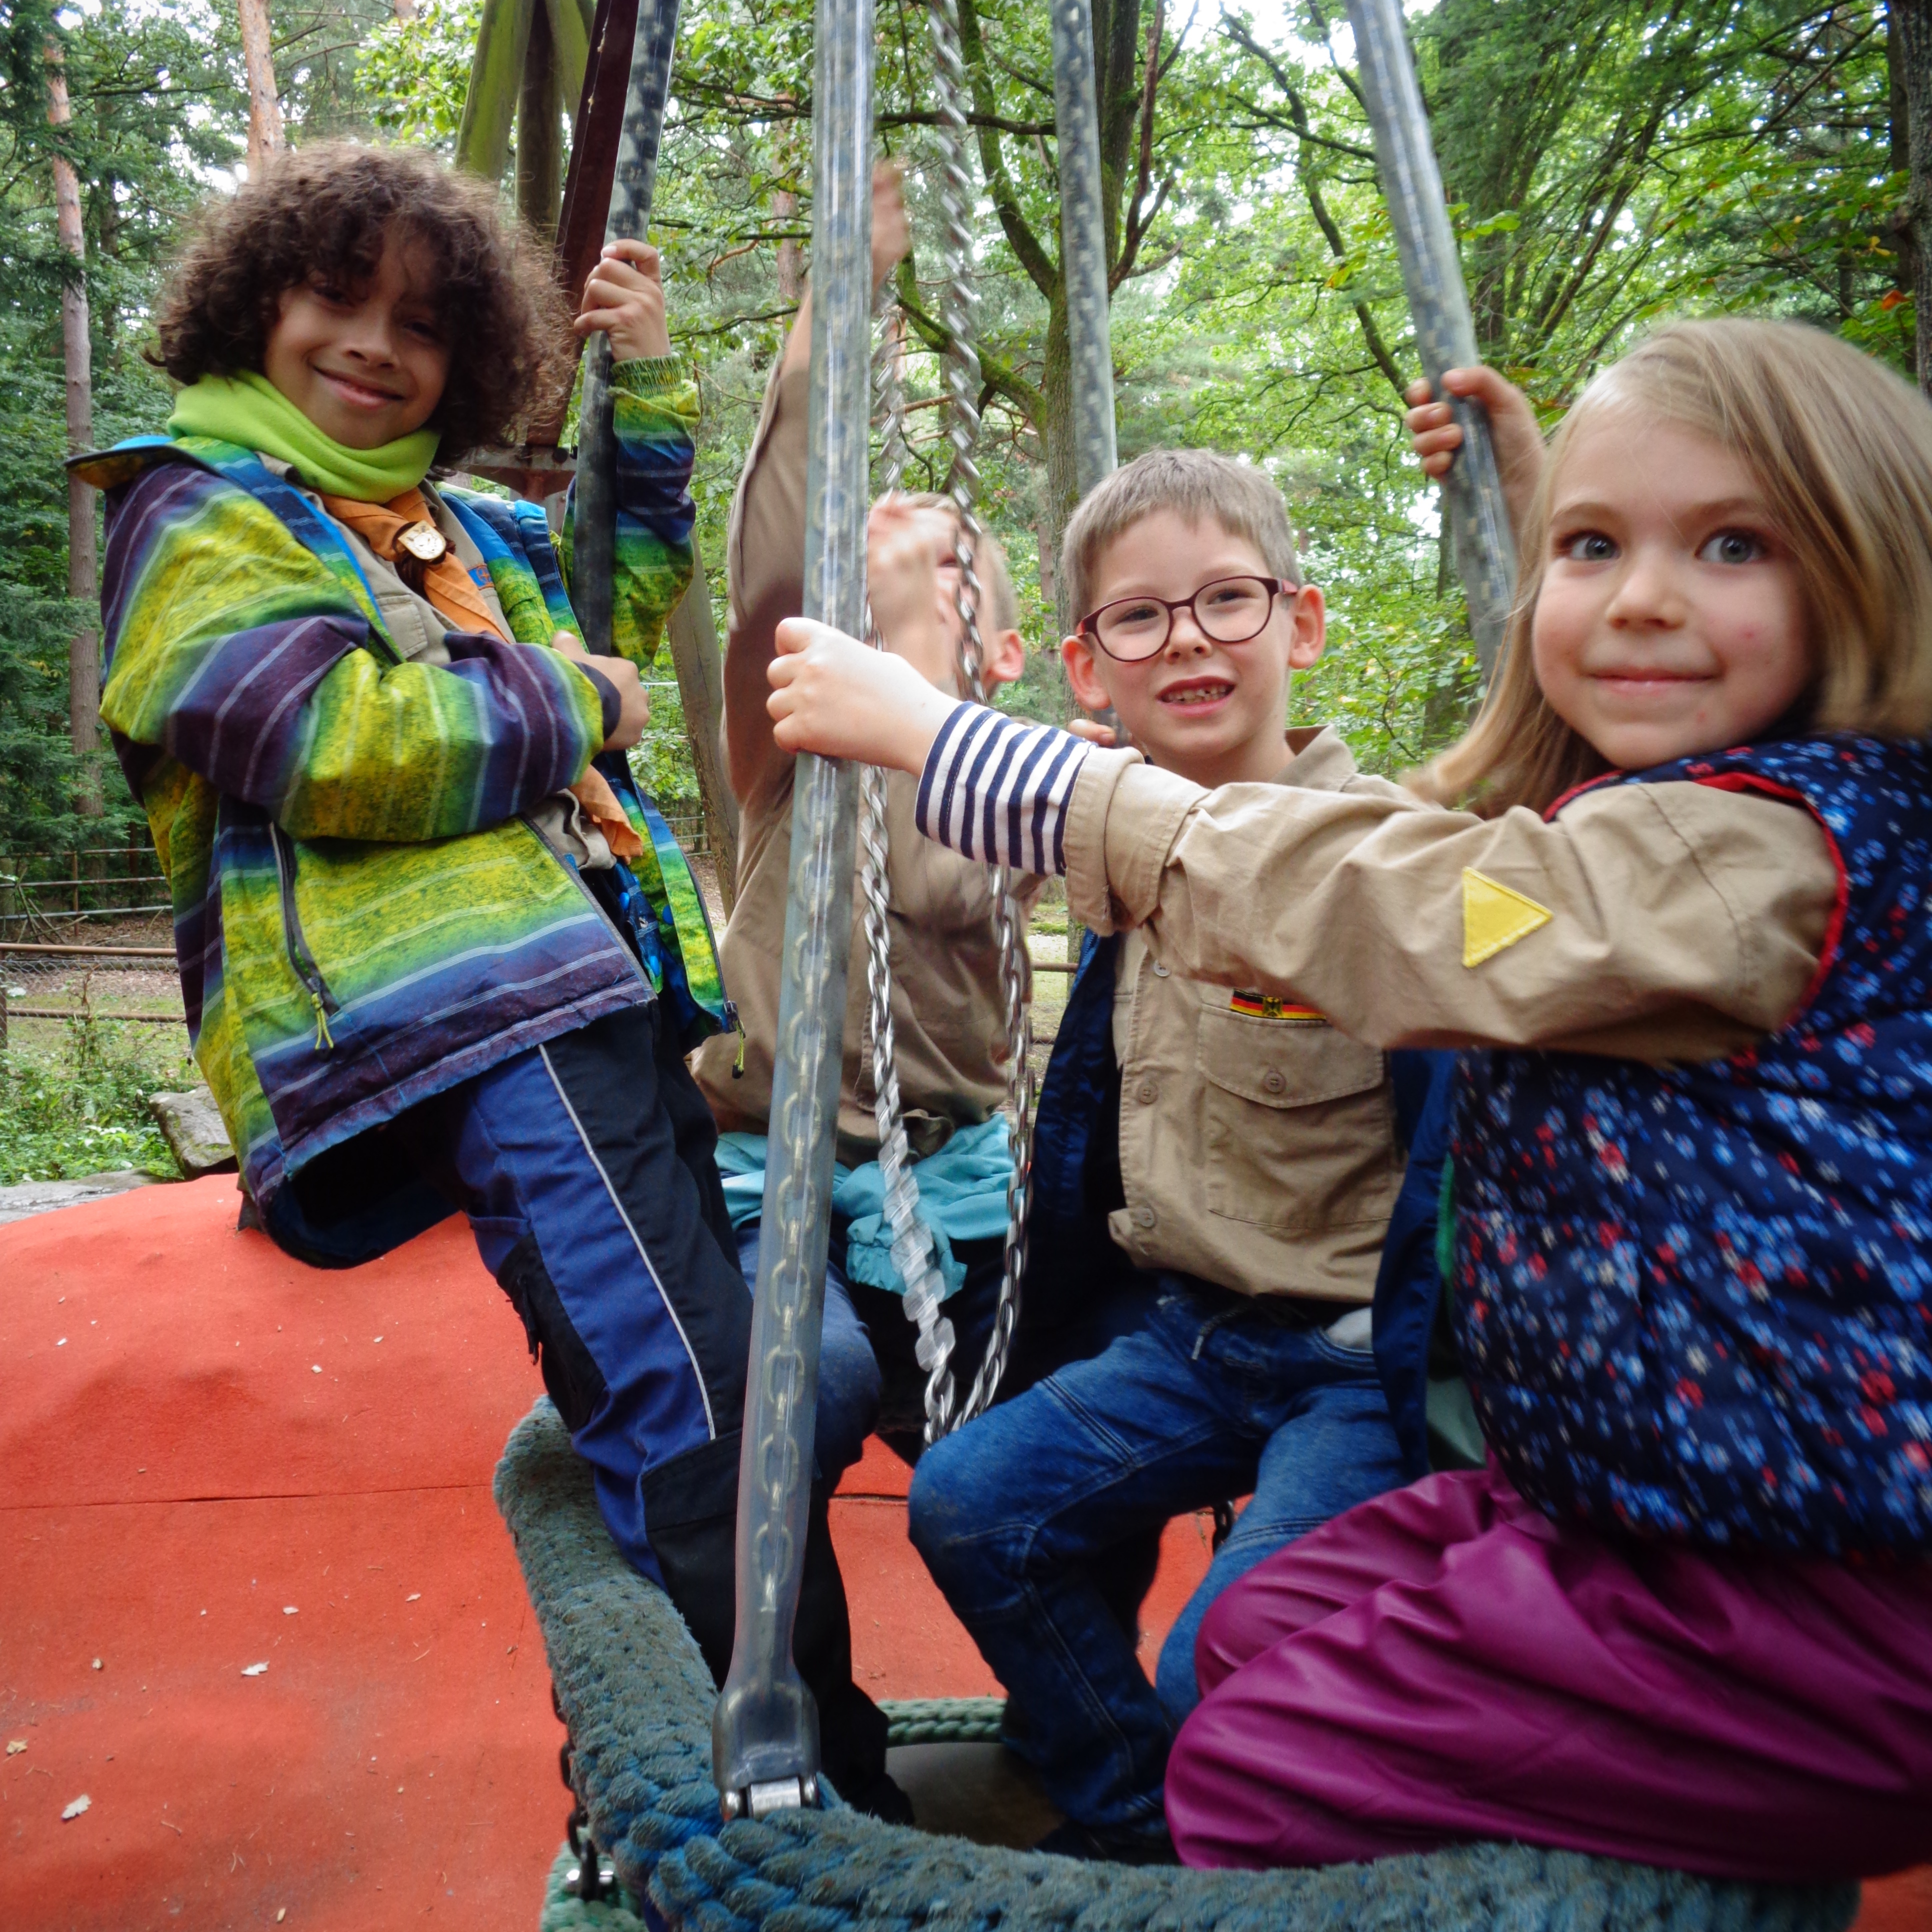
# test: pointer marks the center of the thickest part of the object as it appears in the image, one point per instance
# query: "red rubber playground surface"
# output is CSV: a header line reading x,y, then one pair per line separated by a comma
x,y
211,1460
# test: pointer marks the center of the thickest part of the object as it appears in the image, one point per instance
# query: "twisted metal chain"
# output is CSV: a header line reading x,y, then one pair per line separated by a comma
x,y
913,1254
958,312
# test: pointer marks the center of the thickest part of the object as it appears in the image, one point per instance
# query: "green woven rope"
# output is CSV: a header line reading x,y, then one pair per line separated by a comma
x,y
943,1721
637,1700
564,1913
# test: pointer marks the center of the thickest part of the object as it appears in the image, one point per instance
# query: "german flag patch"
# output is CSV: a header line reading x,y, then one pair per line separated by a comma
x,y
1266,1006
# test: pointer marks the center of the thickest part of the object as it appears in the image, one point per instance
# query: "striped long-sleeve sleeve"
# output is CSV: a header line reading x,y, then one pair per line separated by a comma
x,y
996,788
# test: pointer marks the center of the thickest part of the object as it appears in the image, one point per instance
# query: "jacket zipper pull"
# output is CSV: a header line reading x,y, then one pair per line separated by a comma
x,y
325,1041
738,1064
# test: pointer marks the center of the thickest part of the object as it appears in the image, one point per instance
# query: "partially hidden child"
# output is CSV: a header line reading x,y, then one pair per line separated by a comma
x,y
1678,929
949,1005
1226,1156
437,951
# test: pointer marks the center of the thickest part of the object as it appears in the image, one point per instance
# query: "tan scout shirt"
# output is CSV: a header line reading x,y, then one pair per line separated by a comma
x,y
1257,1150
948,1014
1662,921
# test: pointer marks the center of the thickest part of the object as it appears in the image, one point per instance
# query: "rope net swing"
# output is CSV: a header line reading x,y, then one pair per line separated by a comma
x,y
708,1807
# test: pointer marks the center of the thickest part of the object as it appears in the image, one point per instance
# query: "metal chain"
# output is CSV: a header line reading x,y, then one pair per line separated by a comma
x,y
913,1254
913,1251
958,312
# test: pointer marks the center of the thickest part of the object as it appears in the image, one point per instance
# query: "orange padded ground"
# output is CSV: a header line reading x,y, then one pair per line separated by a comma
x,y
211,1458
209,1461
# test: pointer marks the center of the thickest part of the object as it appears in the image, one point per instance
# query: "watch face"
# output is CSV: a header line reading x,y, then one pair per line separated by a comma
x,y
423,541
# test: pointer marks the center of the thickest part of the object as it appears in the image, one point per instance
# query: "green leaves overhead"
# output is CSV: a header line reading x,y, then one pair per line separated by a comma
x,y
1610,161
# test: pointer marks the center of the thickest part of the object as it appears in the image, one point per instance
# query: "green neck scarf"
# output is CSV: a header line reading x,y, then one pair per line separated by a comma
x,y
249,410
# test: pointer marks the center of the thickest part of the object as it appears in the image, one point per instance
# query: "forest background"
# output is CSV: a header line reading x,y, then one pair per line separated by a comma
x,y
1608,164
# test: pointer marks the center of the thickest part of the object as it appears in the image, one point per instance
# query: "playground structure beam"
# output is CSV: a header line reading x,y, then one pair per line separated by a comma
x,y
1432,276
1083,242
593,165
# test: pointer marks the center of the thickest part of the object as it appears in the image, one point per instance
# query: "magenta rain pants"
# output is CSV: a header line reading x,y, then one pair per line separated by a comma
x,y
1444,1662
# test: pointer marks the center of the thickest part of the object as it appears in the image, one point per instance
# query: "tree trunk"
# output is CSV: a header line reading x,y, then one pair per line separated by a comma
x,y
1117,61
700,688
791,256
265,107
1909,62
495,83
1909,25
82,585
1049,564
540,132
1057,442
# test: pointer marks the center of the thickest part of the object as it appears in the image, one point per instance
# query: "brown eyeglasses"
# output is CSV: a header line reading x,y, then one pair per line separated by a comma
x,y
1231,610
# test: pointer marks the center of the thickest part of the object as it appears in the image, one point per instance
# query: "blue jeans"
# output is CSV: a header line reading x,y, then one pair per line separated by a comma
x,y
868,1378
1211,1396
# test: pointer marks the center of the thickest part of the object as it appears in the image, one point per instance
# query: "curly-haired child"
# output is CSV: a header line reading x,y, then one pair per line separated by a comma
x,y
1685,1615
437,949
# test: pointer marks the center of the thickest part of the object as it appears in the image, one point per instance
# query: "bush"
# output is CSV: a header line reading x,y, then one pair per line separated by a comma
x,y
83,1108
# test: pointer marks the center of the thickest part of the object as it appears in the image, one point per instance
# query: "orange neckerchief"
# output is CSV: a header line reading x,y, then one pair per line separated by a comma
x,y
452,593
446,582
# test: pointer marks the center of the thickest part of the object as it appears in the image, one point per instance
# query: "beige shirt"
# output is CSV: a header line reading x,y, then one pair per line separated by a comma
x,y
1681,922
1258,1149
949,1015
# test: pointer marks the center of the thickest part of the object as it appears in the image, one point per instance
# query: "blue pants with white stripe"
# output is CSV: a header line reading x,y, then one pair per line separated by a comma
x,y
586,1167
588,1178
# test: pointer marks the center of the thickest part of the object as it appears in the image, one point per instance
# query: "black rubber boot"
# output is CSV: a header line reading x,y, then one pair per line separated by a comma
x,y
851,1727
690,1515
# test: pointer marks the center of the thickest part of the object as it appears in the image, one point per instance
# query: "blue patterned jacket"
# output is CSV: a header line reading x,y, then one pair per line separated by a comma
x,y
1692,1301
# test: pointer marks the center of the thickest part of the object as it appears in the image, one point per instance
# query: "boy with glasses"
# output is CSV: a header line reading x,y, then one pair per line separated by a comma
x,y
1232,1151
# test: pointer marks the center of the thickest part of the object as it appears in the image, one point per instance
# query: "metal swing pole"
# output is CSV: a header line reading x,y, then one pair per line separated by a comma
x,y
1083,241
595,537
764,1733
1432,276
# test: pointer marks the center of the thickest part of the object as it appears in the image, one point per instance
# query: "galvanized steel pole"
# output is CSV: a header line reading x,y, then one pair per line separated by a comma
x,y
1431,274
764,1734
595,531
1083,241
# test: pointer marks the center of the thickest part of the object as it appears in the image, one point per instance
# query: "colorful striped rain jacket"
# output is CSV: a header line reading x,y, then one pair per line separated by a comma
x,y
363,914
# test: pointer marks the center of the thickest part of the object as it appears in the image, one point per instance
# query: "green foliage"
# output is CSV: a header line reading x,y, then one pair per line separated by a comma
x,y
660,760
1610,161
142,84
414,73
81,1108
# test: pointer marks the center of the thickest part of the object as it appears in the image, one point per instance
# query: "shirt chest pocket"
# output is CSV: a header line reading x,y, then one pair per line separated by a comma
x,y
1298,1124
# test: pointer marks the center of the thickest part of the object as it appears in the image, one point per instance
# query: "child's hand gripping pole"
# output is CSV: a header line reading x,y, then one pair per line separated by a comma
x,y
833,695
633,701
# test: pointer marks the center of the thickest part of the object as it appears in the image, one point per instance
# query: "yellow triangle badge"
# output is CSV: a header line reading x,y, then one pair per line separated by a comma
x,y
1494,918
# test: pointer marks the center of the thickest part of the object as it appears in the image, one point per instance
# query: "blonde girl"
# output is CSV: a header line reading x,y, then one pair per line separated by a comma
x,y
1684,1616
